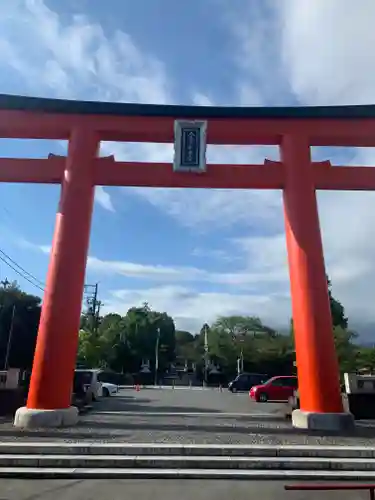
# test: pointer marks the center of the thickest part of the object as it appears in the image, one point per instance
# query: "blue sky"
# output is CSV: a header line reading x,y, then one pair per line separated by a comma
x,y
195,254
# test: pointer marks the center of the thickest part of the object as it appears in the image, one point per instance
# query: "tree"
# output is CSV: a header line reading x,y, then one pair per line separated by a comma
x,y
240,325
122,342
90,349
345,348
262,348
337,309
186,349
366,359
183,337
19,321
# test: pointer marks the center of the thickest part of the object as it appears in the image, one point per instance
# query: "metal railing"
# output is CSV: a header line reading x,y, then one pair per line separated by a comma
x,y
332,487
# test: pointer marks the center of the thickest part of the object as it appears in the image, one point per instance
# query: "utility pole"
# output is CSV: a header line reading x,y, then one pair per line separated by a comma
x,y
93,304
97,315
9,343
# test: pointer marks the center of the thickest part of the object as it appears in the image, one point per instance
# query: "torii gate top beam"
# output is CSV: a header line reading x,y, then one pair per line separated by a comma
x,y
41,118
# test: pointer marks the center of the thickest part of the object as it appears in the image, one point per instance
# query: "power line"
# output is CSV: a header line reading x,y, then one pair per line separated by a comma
x,y
20,273
22,269
26,275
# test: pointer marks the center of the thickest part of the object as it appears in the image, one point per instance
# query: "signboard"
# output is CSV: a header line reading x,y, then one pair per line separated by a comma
x,y
189,146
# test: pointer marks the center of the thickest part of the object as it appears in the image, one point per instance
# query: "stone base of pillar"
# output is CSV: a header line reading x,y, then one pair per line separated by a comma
x,y
28,418
331,422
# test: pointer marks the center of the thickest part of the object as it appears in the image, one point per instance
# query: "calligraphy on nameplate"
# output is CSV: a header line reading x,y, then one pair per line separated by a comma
x,y
190,146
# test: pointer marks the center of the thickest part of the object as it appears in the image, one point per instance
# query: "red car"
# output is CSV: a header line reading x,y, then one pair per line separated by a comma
x,y
275,389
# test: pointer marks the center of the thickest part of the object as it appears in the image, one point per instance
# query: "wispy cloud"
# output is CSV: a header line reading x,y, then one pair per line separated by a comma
x,y
326,48
191,308
76,60
248,277
103,198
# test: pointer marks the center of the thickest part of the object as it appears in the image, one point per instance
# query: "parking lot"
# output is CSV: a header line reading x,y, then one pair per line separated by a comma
x,y
184,400
178,415
187,416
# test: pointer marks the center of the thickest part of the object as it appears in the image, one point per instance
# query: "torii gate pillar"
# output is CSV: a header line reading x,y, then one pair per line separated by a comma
x,y
50,393
318,373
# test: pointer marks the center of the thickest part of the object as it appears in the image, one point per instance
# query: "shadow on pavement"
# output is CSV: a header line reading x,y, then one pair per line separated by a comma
x,y
233,429
94,430
133,406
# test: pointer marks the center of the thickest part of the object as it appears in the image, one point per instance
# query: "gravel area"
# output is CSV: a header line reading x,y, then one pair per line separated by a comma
x,y
183,416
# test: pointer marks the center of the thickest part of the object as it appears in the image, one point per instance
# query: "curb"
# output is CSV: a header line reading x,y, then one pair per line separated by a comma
x,y
181,462
61,473
89,448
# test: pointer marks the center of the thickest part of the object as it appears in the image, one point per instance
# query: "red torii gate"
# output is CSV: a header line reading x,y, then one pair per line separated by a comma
x,y
85,124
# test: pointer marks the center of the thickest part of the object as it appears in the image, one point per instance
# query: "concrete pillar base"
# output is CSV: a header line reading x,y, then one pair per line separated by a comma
x,y
27,418
335,422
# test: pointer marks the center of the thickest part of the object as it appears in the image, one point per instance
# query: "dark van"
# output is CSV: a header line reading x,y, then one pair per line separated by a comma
x,y
245,381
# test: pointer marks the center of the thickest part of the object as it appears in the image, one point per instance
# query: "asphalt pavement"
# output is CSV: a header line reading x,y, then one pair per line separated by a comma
x,y
186,400
162,490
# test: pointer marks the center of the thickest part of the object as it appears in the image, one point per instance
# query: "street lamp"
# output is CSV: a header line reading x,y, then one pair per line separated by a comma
x,y
240,362
157,355
206,354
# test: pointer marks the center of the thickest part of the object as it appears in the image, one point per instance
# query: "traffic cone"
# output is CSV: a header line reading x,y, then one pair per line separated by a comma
x,y
137,388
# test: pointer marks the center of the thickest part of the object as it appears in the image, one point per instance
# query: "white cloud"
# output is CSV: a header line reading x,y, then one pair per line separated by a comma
x,y
75,59
245,278
248,277
103,198
255,27
43,248
327,50
218,254
202,100
190,309
217,209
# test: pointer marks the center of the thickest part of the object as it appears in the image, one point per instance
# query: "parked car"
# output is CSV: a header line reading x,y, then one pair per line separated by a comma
x,y
109,389
245,381
275,389
87,381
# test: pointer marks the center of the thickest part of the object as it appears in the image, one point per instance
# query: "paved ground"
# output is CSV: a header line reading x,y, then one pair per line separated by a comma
x,y
165,490
187,416
186,400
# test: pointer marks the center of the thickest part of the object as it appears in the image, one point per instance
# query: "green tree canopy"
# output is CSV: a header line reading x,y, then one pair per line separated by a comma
x,y
19,321
337,309
122,342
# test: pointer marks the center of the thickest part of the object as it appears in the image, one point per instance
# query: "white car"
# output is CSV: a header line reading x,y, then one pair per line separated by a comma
x,y
109,389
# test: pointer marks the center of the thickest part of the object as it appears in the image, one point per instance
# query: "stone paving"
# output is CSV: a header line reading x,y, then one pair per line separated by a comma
x,y
187,416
